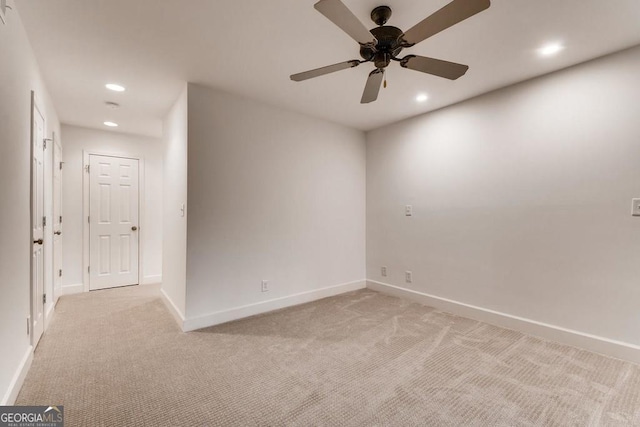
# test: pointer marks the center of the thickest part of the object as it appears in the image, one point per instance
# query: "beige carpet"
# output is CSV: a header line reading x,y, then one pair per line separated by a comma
x,y
116,358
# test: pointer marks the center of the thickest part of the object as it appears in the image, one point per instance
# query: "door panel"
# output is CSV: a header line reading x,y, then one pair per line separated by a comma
x,y
37,221
113,212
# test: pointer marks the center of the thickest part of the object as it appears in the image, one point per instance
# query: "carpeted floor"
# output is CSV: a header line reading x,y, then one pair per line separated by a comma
x,y
117,358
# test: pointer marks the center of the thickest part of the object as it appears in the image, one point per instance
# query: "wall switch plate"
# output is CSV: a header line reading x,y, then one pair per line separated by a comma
x,y
265,286
408,210
635,207
408,277
383,271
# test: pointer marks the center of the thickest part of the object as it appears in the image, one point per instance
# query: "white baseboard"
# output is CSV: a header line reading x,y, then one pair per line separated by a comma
x,y
597,344
270,305
73,289
18,379
173,309
152,280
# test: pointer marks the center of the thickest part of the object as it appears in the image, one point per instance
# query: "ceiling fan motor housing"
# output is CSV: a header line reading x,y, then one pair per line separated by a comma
x,y
388,45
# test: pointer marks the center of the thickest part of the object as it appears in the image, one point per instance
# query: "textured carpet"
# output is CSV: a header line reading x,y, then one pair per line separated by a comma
x,y
116,358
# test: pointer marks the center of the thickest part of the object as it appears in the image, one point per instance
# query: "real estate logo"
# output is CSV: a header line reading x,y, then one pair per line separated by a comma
x,y
31,416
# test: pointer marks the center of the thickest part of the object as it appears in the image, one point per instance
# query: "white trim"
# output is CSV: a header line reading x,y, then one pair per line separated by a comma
x,y
173,309
597,344
49,273
236,313
85,211
152,280
50,315
72,289
18,379
57,292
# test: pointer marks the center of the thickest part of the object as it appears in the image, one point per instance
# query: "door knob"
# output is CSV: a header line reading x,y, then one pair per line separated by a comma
x,y
38,242
134,228
58,233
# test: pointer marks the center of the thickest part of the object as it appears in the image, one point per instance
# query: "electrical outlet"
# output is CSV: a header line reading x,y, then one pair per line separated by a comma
x,y
408,277
383,271
265,286
408,210
635,207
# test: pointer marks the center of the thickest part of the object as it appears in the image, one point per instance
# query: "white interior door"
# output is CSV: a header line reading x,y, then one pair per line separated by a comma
x,y
113,222
37,221
57,220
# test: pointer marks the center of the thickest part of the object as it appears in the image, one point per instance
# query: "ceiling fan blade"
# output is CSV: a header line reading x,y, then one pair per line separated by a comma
x,y
437,67
372,88
324,70
339,14
451,14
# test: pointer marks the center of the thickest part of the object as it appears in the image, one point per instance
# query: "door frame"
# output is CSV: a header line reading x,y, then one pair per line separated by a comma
x,y
86,206
57,292
49,307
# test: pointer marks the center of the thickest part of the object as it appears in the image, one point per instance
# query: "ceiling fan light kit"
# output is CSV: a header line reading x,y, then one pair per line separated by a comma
x,y
383,44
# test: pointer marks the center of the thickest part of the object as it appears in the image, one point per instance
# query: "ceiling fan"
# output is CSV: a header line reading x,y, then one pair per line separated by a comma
x,y
383,44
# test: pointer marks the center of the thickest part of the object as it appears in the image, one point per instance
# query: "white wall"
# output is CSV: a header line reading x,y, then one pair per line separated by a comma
x,y
521,200
273,195
76,141
175,196
19,75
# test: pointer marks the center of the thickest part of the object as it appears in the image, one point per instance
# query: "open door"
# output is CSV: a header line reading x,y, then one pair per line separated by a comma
x,y
37,221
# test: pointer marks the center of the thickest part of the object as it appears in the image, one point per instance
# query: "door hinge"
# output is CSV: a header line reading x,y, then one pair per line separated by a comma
x,y
44,221
61,165
88,269
60,273
60,219
89,219
44,298
88,168
28,325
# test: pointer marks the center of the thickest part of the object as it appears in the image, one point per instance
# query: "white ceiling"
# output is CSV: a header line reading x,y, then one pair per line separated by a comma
x,y
250,47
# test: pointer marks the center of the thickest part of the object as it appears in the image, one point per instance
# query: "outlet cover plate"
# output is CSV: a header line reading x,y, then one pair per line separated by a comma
x,y
408,210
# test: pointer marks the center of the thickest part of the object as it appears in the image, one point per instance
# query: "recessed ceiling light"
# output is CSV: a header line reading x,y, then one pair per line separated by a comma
x,y
422,97
114,87
550,49
111,124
